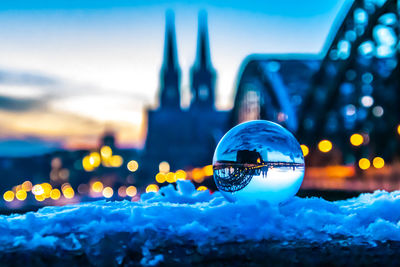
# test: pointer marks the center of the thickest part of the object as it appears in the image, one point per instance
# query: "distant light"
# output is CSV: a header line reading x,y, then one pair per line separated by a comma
x,y
69,192
152,188
97,187
132,165
378,111
122,191
367,101
305,150
202,188
106,151
208,170
95,159
378,162
108,192
83,189
198,175
27,186
64,174
116,161
160,178
180,175
56,163
170,177
55,194
350,110
164,167
356,139
325,146
131,191
21,195
46,189
40,198
8,196
398,129
364,163
87,164
37,190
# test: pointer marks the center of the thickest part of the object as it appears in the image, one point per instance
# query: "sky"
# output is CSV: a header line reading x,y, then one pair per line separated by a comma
x,y
71,69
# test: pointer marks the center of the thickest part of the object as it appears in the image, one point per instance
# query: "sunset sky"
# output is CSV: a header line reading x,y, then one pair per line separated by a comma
x,y
69,69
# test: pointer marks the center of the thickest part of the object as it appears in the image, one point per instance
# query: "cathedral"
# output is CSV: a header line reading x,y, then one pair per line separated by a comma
x,y
184,137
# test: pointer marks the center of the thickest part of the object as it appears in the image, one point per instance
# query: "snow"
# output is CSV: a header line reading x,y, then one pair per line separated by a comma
x,y
186,216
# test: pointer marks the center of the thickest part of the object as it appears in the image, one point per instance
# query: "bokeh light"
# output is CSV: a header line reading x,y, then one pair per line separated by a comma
x,y
325,146
305,150
132,165
108,192
378,162
131,191
356,139
152,188
364,164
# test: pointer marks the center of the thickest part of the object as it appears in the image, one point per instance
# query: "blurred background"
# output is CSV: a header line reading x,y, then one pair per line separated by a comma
x,y
108,100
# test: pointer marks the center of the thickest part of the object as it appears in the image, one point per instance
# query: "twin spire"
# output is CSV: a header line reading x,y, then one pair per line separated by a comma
x,y
202,73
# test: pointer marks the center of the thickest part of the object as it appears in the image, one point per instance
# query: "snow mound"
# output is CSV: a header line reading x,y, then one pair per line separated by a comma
x,y
186,216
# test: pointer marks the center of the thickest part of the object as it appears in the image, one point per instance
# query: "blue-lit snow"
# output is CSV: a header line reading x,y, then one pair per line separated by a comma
x,y
187,216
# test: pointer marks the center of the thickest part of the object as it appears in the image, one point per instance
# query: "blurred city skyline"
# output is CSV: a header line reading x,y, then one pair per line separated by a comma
x,y
71,69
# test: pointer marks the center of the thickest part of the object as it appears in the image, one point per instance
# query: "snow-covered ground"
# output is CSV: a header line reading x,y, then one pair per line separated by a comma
x,y
186,216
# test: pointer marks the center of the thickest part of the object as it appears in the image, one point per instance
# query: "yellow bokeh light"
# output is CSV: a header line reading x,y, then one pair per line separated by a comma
x,y
27,186
305,150
55,194
21,195
132,165
108,192
378,162
87,164
398,129
198,175
116,161
202,188
68,192
106,151
95,159
122,191
97,187
160,177
364,163
131,191
325,146
47,189
170,177
208,170
356,139
164,167
180,175
152,188
40,197
37,190
8,196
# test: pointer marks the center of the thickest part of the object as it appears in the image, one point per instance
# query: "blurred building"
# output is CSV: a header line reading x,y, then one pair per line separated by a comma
x,y
184,137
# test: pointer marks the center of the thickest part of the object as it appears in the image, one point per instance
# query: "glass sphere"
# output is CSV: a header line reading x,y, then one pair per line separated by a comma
x,y
258,160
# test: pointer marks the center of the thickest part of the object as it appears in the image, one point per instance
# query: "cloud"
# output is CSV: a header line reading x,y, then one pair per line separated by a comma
x,y
18,105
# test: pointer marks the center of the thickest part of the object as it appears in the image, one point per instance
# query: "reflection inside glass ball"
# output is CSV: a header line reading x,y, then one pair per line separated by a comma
x,y
258,160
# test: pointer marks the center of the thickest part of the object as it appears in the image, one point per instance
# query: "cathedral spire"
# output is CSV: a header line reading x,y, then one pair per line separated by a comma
x,y
170,72
203,74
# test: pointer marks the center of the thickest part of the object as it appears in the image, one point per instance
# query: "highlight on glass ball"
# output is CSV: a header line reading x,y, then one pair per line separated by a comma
x,y
258,160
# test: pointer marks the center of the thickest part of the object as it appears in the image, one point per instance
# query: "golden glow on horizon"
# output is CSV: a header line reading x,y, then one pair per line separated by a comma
x,y
325,146
364,164
356,139
378,162
305,150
